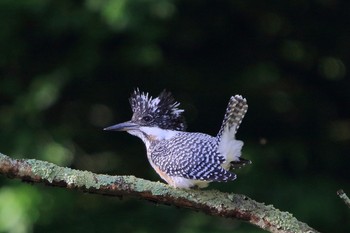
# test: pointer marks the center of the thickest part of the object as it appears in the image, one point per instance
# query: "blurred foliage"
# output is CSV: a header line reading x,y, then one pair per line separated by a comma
x,y
68,67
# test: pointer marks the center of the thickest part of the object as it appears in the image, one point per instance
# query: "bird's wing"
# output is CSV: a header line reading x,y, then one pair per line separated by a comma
x,y
192,156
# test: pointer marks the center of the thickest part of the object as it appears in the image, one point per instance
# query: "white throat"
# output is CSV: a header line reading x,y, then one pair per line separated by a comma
x,y
153,134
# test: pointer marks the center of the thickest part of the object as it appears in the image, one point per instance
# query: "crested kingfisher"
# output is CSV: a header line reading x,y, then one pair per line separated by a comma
x,y
185,159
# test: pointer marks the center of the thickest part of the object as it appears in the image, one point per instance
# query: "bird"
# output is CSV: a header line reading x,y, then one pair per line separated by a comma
x,y
185,159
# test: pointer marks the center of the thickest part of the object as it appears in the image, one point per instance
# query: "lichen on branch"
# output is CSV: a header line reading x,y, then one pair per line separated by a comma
x,y
211,202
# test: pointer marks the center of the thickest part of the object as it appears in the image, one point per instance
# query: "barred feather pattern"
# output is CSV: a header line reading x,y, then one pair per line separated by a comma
x,y
235,111
192,156
185,159
229,147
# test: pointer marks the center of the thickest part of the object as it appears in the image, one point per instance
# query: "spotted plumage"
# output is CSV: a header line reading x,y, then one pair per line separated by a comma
x,y
185,159
194,152
235,111
162,111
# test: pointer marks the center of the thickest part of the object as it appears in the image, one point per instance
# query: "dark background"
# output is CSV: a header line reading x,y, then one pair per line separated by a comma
x,y
68,67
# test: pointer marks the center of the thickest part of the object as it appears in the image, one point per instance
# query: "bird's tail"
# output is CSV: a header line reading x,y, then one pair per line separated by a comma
x,y
229,147
235,111
239,164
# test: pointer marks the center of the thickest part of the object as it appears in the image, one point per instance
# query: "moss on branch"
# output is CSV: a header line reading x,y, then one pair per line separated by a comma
x,y
211,202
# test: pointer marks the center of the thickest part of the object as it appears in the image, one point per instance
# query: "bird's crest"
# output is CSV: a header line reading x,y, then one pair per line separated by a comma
x,y
164,109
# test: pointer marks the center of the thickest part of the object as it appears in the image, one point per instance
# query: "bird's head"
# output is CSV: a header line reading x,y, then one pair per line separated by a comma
x,y
150,114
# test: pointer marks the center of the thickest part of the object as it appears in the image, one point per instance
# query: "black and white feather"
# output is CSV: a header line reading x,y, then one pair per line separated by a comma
x,y
235,111
185,159
192,156
161,111
229,147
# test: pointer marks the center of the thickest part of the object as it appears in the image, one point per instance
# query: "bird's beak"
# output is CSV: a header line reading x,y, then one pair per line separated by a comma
x,y
125,126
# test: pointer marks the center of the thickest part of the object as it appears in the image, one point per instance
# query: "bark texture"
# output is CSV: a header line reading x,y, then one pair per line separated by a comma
x,y
211,202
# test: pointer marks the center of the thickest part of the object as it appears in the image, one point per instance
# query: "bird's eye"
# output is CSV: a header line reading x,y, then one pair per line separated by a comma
x,y
147,118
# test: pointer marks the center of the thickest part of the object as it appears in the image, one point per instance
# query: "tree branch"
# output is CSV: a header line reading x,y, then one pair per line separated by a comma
x,y
344,197
211,202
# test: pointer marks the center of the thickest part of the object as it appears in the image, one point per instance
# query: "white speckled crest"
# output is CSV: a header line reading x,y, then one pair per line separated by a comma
x,y
163,110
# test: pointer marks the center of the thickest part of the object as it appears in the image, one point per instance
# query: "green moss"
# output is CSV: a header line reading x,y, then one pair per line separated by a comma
x,y
156,188
51,172
2,156
283,220
105,180
43,169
